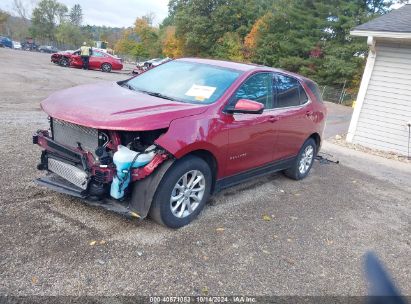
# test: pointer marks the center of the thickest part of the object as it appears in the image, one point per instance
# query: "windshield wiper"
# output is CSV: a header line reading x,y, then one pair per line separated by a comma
x,y
156,94
126,85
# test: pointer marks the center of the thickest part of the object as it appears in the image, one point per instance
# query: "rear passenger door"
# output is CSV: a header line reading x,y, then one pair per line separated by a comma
x,y
97,59
294,114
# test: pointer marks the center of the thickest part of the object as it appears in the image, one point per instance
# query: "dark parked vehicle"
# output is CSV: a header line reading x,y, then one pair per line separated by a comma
x,y
29,45
162,142
47,49
6,42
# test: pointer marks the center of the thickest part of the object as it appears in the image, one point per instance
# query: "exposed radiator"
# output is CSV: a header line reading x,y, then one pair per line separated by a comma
x,y
72,135
71,173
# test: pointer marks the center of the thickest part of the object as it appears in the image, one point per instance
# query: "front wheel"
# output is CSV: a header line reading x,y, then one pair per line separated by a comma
x,y
304,161
64,62
182,193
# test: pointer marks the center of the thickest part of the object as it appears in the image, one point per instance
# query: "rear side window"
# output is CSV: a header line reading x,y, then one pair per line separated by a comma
x,y
97,54
289,92
315,90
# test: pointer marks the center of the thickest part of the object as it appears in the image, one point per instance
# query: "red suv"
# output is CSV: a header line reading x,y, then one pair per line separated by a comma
x,y
161,143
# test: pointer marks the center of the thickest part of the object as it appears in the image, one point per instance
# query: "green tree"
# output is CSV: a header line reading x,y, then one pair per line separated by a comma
x,y
69,34
312,38
202,24
45,18
229,47
3,19
76,15
142,40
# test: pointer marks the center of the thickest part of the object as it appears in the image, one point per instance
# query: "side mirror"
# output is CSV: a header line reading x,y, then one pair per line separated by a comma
x,y
247,106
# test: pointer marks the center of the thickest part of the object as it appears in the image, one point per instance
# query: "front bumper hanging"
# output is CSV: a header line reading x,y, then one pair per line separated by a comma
x,y
69,171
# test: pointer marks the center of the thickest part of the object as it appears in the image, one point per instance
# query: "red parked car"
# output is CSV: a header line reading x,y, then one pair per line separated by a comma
x,y
99,60
162,142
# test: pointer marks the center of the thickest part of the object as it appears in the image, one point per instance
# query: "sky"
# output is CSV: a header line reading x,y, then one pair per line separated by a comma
x,y
116,13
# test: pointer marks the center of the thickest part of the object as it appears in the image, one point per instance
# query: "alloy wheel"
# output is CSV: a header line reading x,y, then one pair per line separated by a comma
x,y
187,193
306,160
106,67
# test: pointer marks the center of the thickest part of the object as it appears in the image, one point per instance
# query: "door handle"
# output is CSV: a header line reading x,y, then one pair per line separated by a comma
x,y
309,113
273,118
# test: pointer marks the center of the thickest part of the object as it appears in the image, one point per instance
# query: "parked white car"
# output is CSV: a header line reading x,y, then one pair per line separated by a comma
x,y
16,45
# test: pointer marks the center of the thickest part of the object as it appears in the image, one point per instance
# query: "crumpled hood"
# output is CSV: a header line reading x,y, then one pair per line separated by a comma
x,y
106,105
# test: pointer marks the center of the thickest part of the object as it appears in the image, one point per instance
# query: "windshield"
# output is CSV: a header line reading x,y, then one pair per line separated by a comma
x,y
185,81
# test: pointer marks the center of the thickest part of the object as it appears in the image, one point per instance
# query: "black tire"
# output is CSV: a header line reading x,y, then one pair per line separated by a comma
x,y
160,210
64,62
294,172
106,67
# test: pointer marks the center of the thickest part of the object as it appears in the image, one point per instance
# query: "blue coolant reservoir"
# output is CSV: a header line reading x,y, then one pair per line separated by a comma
x,y
123,160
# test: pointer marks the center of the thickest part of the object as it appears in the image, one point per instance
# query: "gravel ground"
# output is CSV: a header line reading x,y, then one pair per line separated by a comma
x,y
272,236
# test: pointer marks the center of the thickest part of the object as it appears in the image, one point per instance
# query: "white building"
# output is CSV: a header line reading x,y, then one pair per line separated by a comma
x,y
382,115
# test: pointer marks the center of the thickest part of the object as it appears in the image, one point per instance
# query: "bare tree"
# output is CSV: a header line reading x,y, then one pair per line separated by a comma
x,y
23,8
76,15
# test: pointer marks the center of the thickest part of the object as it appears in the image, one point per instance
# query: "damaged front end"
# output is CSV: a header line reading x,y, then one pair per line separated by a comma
x,y
99,166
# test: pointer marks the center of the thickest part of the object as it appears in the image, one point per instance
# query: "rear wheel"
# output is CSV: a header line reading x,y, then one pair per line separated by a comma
x,y
106,67
305,159
182,193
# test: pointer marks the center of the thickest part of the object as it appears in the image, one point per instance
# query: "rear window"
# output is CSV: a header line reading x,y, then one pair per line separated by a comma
x,y
315,90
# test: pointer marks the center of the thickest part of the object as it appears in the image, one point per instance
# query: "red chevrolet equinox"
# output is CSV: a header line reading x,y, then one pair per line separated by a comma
x,y
161,143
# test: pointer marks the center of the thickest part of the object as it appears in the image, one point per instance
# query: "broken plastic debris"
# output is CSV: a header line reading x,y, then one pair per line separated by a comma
x,y
92,243
329,242
204,290
266,218
134,214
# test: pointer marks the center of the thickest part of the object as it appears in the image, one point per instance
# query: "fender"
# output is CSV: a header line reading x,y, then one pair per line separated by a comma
x,y
195,133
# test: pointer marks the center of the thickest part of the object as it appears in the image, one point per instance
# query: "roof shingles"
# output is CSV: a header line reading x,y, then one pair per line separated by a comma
x,y
398,20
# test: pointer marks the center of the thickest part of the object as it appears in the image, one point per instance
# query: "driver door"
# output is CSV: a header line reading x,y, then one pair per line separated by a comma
x,y
251,136
75,59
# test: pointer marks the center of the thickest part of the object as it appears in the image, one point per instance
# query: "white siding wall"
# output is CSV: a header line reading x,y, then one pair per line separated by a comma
x,y
382,123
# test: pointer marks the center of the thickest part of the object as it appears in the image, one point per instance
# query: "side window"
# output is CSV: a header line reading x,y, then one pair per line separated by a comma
x,y
258,88
289,92
97,54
